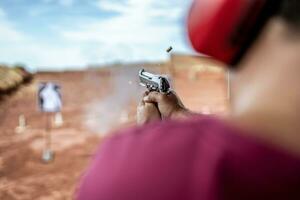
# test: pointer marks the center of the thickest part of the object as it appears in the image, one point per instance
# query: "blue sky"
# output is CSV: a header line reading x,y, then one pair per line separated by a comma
x,y
64,34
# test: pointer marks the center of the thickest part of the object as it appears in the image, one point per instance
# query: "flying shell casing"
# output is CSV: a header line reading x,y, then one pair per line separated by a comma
x,y
169,49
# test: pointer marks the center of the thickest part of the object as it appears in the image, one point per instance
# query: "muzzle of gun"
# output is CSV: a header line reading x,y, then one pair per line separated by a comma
x,y
154,82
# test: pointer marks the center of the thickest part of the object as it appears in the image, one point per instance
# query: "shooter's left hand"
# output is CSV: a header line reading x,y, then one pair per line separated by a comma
x,y
147,112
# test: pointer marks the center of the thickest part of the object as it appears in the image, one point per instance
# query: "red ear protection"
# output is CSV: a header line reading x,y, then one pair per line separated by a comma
x,y
225,29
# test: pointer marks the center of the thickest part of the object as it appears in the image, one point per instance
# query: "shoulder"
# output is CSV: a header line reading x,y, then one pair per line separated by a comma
x,y
157,161
182,159
195,126
200,135
174,133
168,143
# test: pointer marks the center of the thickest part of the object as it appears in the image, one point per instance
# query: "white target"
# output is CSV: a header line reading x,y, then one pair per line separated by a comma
x,y
49,97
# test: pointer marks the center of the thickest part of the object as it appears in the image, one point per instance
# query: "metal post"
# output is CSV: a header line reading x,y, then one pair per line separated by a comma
x,y
47,152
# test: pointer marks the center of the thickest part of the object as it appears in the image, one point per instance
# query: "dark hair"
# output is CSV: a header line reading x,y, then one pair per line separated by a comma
x,y
290,12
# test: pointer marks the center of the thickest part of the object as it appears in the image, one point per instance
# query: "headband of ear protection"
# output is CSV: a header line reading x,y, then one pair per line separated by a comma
x,y
225,29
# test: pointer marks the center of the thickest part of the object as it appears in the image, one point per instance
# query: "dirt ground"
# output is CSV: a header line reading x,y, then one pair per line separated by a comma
x,y
95,104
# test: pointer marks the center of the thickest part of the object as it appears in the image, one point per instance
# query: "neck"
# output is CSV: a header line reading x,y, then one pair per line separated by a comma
x,y
267,89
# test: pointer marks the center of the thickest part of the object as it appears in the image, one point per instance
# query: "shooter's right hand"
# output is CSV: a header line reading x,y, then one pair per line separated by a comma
x,y
169,105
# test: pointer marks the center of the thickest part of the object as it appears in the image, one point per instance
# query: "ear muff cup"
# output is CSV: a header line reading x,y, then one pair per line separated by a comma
x,y
225,29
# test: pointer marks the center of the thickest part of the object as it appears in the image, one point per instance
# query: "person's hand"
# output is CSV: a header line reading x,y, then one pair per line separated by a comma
x,y
147,112
169,105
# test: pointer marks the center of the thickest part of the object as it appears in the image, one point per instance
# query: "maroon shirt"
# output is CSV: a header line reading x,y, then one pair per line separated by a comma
x,y
202,158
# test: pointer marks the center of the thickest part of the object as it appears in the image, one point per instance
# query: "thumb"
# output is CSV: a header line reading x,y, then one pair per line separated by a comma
x,y
153,97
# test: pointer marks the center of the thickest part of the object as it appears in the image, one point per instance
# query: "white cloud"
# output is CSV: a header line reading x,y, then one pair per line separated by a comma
x,y
141,30
8,33
136,33
2,13
5,28
145,8
112,6
16,46
44,56
35,12
66,3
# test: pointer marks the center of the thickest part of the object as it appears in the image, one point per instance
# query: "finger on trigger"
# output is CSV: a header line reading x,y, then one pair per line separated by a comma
x,y
145,93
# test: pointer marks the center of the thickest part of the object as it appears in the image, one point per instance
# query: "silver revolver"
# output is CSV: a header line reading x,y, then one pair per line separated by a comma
x,y
154,82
